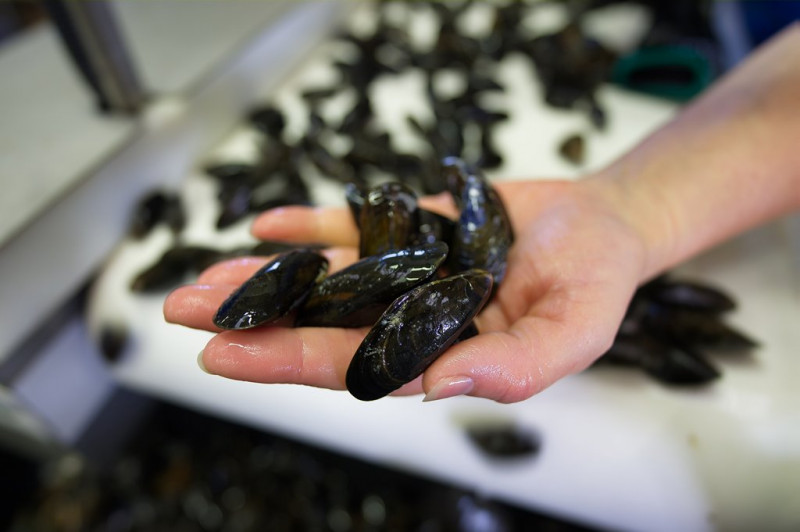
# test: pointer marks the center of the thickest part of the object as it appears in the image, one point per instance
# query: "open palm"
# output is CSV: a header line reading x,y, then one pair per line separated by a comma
x,y
571,273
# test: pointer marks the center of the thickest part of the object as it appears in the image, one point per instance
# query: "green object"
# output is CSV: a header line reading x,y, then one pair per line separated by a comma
x,y
675,72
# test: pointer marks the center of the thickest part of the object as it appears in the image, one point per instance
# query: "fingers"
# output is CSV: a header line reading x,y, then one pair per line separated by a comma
x,y
563,331
507,366
511,366
195,305
305,355
319,225
312,356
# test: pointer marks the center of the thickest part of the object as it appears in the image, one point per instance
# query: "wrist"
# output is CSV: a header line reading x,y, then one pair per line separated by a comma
x,y
645,211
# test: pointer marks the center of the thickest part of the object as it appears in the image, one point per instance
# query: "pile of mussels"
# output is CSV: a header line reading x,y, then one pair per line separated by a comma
x,y
670,329
420,281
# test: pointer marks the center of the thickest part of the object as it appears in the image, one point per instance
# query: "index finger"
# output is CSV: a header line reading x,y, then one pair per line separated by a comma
x,y
297,223
314,356
332,226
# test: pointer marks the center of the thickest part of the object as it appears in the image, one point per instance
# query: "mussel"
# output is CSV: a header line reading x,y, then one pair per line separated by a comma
x,y
667,363
573,149
173,266
274,291
671,326
432,226
483,233
158,206
357,295
388,219
414,331
689,295
268,120
504,440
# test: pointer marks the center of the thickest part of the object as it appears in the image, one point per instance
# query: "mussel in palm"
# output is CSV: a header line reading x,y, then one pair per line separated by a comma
x,y
483,232
357,295
275,290
388,219
414,331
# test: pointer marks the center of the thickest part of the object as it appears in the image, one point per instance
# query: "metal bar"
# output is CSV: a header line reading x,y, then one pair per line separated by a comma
x,y
90,32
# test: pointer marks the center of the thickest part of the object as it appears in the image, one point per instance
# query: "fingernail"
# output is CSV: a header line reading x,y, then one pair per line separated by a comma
x,y
449,387
200,363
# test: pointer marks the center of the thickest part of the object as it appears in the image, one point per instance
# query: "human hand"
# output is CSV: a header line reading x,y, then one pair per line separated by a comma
x,y
572,270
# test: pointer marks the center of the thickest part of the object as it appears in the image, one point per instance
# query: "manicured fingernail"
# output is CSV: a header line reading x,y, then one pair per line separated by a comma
x,y
449,387
200,363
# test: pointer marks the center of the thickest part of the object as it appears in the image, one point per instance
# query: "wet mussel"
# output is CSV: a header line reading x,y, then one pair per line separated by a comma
x,y
157,206
180,261
483,233
173,266
387,218
357,295
406,339
504,440
274,291
671,328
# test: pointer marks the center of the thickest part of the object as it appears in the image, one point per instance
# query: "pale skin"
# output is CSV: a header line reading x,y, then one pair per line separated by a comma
x,y
728,162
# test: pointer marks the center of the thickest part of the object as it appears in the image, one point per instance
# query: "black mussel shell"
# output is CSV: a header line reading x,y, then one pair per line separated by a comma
x,y
173,266
680,365
689,295
388,219
469,331
414,331
329,165
357,295
667,362
234,204
114,338
268,120
157,207
573,149
627,350
490,157
570,65
696,328
483,232
433,226
273,291
355,195
504,440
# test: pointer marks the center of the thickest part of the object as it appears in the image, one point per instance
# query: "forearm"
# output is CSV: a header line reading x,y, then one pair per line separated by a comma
x,y
726,163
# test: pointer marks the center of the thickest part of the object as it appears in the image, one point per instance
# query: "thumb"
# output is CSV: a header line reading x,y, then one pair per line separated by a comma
x,y
513,365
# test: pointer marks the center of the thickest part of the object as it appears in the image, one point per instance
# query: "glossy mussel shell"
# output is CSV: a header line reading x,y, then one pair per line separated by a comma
x,y
701,297
273,291
418,327
357,295
388,219
483,234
